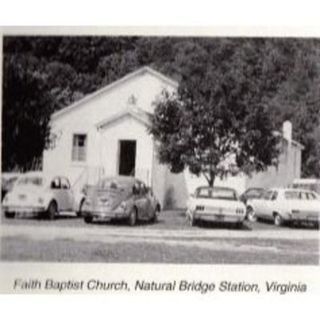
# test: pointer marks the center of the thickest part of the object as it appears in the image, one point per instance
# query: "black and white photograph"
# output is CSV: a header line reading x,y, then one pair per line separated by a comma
x,y
160,149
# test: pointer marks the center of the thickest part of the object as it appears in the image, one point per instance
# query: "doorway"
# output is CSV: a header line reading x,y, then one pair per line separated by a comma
x,y
127,157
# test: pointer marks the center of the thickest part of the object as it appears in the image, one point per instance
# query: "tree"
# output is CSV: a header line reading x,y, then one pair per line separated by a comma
x,y
218,120
27,107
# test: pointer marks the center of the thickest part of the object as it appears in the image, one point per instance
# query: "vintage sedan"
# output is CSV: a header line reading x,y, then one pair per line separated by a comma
x,y
215,204
283,205
252,193
36,193
120,197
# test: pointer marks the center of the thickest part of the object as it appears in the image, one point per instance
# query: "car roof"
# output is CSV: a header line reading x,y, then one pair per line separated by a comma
x,y
217,188
289,189
122,179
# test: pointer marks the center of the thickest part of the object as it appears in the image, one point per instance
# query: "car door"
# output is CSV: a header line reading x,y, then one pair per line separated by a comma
x,y
271,205
67,195
55,187
264,204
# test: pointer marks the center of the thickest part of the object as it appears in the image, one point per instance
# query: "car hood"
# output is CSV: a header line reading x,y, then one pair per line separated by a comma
x,y
107,198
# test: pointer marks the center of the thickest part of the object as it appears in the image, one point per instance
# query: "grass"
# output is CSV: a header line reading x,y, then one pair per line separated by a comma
x,y
67,250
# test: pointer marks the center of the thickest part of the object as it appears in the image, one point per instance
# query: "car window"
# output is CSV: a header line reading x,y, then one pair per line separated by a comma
x,y
217,193
143,189
292,195
304,196
274,196
55,183
37,181
254,193
311,196
267,195
65,184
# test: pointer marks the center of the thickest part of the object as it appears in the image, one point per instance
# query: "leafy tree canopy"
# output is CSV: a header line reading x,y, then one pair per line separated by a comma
x,y
279,77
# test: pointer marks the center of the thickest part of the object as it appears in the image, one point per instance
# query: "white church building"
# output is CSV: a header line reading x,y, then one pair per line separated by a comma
x,y
106,134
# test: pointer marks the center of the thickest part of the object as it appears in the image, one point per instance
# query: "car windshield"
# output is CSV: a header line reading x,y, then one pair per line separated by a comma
x,y
292,195
36,181
216,193
114,185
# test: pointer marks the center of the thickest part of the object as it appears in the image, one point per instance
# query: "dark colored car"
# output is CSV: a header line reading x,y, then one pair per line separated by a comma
x,y
252,193
120,198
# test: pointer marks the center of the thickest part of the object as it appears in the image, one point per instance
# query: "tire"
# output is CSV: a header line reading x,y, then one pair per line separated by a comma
x,y
277,220
155,214
9,215
239,225
251,215
79,212
132,219
192,221
88,219
52,210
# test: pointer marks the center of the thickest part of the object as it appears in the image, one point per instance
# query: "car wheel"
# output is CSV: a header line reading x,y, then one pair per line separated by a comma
x,y
239,225
88,219
52,210
9,215
156,214
132,219
277,219
79,212
251,215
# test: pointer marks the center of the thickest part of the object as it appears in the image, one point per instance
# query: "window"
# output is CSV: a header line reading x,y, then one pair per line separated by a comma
x,y
79,147
267,195
274,196
55,183
65,183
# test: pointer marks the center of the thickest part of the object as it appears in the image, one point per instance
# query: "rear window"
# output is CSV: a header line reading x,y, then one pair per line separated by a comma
x,y
114,185
292,195
36,181
216,193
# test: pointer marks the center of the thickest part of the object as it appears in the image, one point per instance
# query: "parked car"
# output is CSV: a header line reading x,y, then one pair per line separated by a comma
x,y
252,193
120,197
37,193
215,204
284,205
7,182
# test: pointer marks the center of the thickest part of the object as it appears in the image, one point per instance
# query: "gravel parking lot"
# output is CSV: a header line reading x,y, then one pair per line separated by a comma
x,y
170,240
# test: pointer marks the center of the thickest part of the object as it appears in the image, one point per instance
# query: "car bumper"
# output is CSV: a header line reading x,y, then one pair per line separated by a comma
x,y
23,210
106,215
218,217
309,218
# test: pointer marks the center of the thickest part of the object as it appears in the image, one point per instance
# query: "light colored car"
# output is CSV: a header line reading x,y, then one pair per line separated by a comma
x,y
284,205
217,205
37,193
120,197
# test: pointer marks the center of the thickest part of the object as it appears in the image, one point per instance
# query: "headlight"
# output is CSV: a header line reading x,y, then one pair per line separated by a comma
x,y
123,205
87,202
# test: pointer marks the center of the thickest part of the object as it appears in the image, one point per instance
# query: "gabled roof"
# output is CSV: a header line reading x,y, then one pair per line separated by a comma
x,y
113,85
136,113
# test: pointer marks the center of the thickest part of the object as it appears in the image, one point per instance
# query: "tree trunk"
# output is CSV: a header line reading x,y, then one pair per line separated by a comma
x,y
211,179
